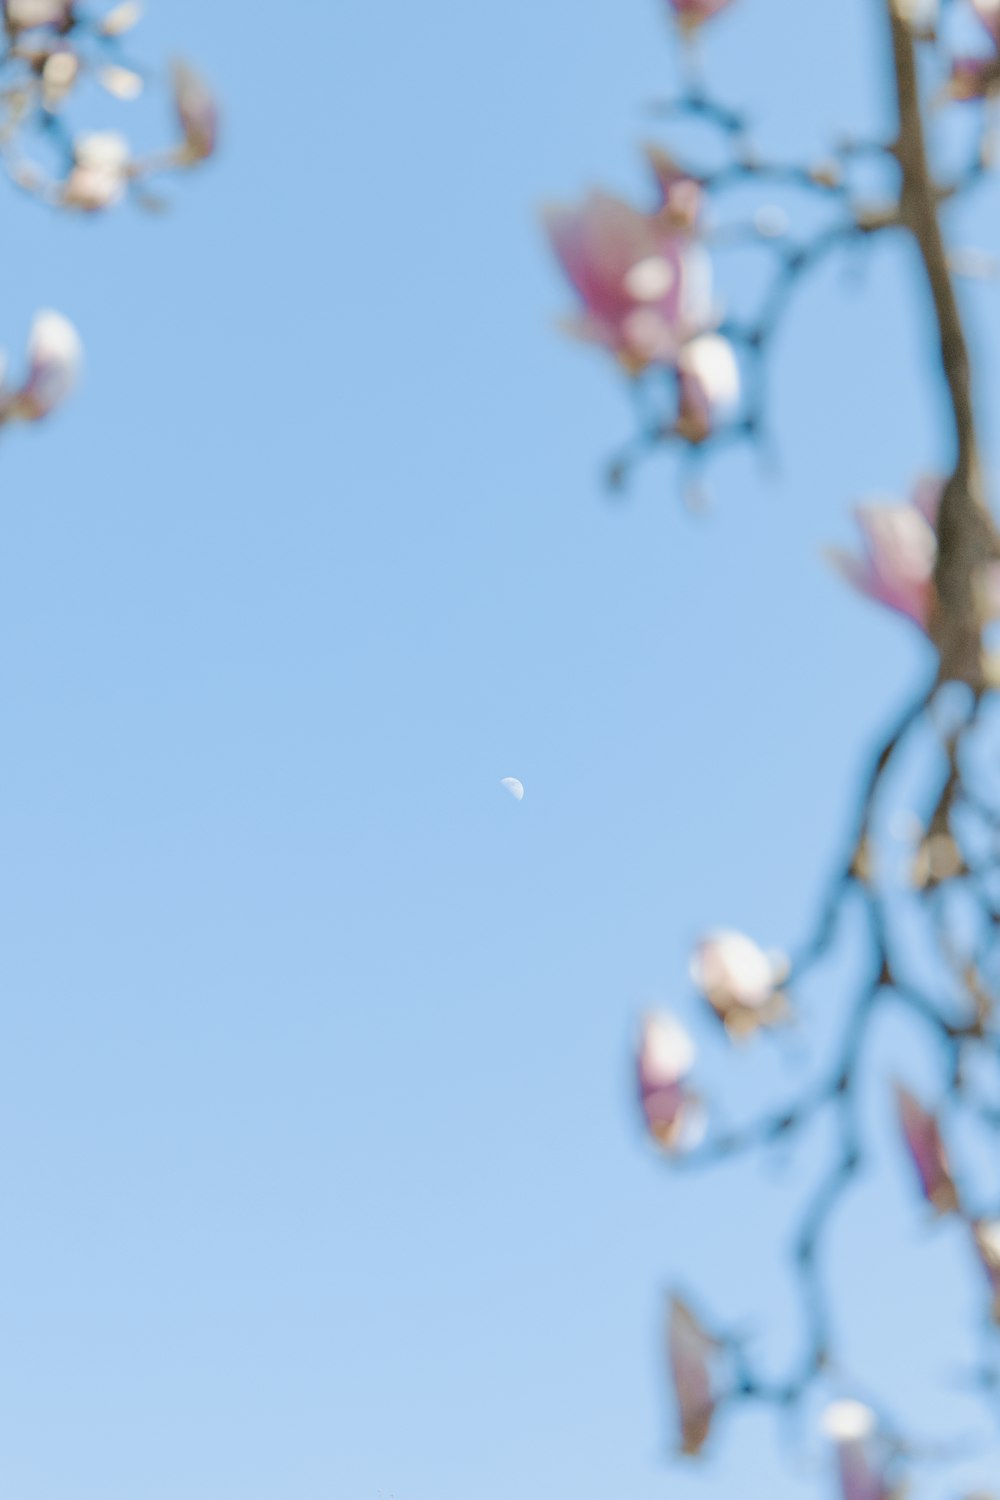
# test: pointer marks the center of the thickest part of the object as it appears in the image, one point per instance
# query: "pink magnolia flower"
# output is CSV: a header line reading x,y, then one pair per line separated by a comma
x,y
674,1115
900,542
198,113
694,13
740,982
691,1351
644,283
54,358
922,1135
986,1233
861,1460
708,386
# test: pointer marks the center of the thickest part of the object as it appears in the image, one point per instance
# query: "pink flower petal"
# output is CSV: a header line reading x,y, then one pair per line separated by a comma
x,y
690,1351
674,1115
644,284
197,111
694,13
897,569
852,1428
922,1136
54,358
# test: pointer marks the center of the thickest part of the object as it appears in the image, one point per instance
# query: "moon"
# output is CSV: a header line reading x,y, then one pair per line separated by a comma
x,y
513,786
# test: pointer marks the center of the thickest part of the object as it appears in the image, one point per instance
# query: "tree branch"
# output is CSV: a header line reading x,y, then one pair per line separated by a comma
x,y
967,536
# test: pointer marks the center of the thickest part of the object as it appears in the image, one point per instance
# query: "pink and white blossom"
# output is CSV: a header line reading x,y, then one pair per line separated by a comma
x,y
644,284
691,1352
674,1115
708,386
900,551
922,1135
740,981
861,1459
55,355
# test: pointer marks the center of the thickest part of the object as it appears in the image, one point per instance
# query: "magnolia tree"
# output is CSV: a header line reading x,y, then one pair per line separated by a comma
x,y
643,279
55,65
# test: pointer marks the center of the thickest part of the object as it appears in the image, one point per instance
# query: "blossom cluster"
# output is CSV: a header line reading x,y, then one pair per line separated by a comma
x,y
742,987
643,279
643,276
50,50
867,1461
644,282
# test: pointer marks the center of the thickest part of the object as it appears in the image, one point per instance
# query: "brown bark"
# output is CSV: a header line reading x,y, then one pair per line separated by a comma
x,y
967,537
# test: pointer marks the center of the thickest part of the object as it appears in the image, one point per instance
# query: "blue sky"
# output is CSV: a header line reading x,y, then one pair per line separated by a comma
x,y
321,1169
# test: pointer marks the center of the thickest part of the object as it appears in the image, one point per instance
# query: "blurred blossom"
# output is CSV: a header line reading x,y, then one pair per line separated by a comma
x,y
22,15
197,112
644,283
972,78
708,384
680,193
921,15
861,1460
900,555
900,545
59,73
978,77
922,1136
740,982
694,13
691,1351
121,18
123,83
55,355
674,1115
986,1233
100,171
